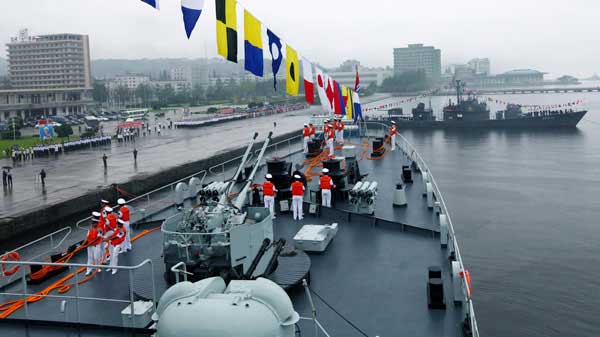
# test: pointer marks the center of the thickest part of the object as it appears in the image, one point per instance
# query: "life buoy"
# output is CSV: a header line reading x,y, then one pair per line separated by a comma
x,y
13,256
465,274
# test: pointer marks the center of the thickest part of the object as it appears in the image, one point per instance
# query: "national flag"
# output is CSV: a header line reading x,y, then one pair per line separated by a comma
x,y
357,108
292,81
253,45
322,91
338,99
153,3
226,29
309,85
357,81
191,10
276,56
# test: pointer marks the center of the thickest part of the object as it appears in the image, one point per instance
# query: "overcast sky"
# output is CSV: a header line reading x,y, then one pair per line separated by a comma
x,y
558,37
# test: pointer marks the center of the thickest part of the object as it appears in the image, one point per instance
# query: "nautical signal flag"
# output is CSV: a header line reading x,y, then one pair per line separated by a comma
x,y
357,108
276,56
357,81
253,44
348,102
226,29
191,10
292,81
338,99
309,85
322,91
153,3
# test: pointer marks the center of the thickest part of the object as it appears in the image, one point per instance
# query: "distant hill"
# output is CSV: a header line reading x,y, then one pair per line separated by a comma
x,y
3,67
107,68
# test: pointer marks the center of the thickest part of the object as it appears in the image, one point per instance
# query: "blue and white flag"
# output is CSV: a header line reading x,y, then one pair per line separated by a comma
x,y
275,49
153,3
191,10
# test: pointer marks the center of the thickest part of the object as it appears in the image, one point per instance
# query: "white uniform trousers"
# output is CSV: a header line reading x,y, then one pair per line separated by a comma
x,y
305,145
93,256
297,207
126,245
393,142
341,136
326,198
114,255
330,144
337,135
270,204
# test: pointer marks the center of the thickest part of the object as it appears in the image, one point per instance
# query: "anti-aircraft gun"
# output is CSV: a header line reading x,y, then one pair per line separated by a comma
x,y
221,236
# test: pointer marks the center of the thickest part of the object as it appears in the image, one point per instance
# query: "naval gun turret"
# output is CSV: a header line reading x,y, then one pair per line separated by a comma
x,y
222,236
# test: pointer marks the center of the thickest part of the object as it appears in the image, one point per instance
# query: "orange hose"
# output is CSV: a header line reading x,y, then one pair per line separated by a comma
x,y
7,308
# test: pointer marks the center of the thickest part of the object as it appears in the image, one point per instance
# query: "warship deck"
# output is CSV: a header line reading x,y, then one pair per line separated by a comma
x,y
371,280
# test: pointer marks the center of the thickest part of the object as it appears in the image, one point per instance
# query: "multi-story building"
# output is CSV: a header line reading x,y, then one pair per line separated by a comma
x,y
129,81
480,66
367,77
49,75
418,57
178,86
181,73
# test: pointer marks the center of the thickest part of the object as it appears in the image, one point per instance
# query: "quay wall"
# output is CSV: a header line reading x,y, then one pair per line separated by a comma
x,y
44,219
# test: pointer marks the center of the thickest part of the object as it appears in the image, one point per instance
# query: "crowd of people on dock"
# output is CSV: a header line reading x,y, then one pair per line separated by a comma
x,y
54,149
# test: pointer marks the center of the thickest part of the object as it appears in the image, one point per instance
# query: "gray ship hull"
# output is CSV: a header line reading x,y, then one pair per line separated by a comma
x,y
552,121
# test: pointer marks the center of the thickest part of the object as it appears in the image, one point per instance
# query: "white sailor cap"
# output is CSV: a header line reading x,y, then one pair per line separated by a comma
x,y
96,214
104,201
393,122
108,209
325,170
305,124
121,201
269,176
296,176
121,222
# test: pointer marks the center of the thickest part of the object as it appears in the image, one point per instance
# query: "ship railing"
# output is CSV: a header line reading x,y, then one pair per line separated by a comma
x,y
77,268
280,149
34,250
414,155
151,202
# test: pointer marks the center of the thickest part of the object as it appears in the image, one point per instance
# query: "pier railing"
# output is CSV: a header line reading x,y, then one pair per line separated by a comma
x,y
414,155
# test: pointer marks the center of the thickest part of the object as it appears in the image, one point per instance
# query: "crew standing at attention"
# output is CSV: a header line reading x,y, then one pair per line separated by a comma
x,y
269,194
124,215
393,131
330,138
305,138
297,198
116,241
313,131
110,226
326,183
325,129
92,240
340,131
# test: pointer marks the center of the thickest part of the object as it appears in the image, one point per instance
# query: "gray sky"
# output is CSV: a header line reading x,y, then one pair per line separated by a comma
x,y
558,37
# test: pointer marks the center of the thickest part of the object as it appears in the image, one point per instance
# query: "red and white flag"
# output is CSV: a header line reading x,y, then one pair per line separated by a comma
x,y
322,85
309,85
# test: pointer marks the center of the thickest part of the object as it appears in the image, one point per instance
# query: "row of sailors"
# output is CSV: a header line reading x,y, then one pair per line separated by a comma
x,y
46,150
109,231
298,188
333,131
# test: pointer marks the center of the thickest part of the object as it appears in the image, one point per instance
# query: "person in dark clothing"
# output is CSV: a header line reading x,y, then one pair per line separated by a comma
x,y
9,179
135,154
43,176
104,157
4,177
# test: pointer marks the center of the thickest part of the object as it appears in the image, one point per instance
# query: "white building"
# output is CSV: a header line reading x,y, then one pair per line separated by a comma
x,y
178,86
129,81
480,66
348,78
181,74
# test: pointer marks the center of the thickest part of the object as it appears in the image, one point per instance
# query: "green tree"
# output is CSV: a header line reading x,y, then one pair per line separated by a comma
x,y
100,93
409,81
123,94
64,130
144,92
198,94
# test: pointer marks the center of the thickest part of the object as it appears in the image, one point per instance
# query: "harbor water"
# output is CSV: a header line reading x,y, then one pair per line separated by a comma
x,y
526,207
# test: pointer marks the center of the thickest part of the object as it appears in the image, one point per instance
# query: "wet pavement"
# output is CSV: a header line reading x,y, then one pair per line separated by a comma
x,y
81,171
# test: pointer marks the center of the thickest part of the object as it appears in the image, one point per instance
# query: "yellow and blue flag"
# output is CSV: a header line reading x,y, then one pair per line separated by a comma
x,y
253,45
